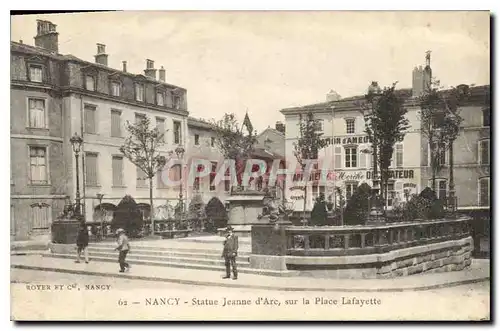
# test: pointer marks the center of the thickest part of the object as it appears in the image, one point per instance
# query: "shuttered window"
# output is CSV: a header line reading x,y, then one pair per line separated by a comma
x,y
91,169
90,83
36,113
141,177
177,132
160,125
117,165
338,157
484,152
40,216
36,73
139,92
399,155
90,119
484,192
116,123
38,165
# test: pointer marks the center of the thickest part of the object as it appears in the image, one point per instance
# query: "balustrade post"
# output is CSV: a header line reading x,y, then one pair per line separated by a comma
x,y
327,241
306,242
346,241
363,236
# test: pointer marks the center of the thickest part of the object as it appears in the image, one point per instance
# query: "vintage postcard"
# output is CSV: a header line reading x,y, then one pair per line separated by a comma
x,y
270,165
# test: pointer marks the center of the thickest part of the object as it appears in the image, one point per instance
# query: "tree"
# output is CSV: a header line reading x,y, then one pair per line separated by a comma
x,y
233,143
127,216
386,123
141,147
358,206
307,146
440,123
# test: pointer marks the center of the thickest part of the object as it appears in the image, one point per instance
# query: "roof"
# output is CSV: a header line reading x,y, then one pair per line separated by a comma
x,y
199,123
24,48
272,130
354,101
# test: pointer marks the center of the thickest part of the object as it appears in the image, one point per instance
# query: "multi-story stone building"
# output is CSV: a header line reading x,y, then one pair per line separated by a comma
x,y
54,96
347,153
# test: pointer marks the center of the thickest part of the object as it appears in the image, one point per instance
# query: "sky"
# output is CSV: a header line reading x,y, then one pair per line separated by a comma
x,y
231,62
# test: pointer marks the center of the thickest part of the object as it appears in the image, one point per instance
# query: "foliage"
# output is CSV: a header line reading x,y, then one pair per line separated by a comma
x,y
424,206
196,209
233,143
128,217
319,213
141,147
308,145
440,120
387,124
358,206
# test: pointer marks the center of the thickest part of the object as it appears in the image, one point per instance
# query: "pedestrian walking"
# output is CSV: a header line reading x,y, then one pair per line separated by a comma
x,y
230,252
123,248
82,242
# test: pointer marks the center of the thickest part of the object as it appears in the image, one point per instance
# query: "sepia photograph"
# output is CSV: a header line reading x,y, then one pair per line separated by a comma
x,y
250,166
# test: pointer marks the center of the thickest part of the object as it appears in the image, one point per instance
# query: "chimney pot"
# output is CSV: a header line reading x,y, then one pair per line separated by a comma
x,y
21,41
161,74
101,49
150,69
150,64
124,66
101,57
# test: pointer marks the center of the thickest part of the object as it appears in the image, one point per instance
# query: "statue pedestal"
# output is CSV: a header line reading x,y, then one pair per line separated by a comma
x,y
244,209
375,217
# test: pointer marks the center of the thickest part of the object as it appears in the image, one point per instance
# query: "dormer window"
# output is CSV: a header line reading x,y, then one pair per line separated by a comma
x,y
139,92
90,83
116,88
160,98
176,101
36,73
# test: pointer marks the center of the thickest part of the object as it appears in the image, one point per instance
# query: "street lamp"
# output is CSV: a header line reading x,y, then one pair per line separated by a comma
x,y
76,142
180,155
99,197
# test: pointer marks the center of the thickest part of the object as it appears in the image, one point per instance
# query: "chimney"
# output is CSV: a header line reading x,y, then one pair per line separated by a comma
x,y
332,96
101,57
161,74
374,88
46,36
124,66
21,41
150,69
427,74
422,77
280,127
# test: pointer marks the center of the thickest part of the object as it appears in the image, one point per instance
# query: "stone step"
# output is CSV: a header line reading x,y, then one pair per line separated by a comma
x,y
214,248
172,252
194,266
163,258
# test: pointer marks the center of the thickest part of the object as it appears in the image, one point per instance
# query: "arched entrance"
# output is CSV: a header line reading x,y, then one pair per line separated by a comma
x,y
216,214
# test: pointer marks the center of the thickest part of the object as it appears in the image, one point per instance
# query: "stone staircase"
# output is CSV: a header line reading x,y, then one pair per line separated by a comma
x,y
198,253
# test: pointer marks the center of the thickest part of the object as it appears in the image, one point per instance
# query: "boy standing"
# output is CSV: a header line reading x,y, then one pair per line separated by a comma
x,y
82,241
123,248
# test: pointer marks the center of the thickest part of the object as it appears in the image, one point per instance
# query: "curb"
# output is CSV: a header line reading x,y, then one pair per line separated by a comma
x,y
257,287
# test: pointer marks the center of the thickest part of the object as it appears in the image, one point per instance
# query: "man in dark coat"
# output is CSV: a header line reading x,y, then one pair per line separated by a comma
x,y
82,241
230,252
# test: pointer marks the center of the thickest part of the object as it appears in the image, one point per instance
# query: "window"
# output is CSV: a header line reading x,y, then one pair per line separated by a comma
x,y
213,173
160,180
36,113
38,165
350,125
40,216
117,166
139,118
227,185
399,155
90,122
176,170
363,157
338,157
351,157
176,101
160,125
441,189
350,188
486,117
90,83
196,184
177,132
36,73
116,123
197,139
440,154
391,194
160,100
139,92
91,169
141,177
321,125
116,89
484,192
484,152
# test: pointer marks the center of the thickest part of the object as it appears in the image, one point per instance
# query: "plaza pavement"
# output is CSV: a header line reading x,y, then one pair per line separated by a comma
x,y
479,271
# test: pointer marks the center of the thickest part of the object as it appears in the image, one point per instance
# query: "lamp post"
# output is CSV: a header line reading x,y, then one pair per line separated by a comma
x,y
99,197
76,142
180,155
